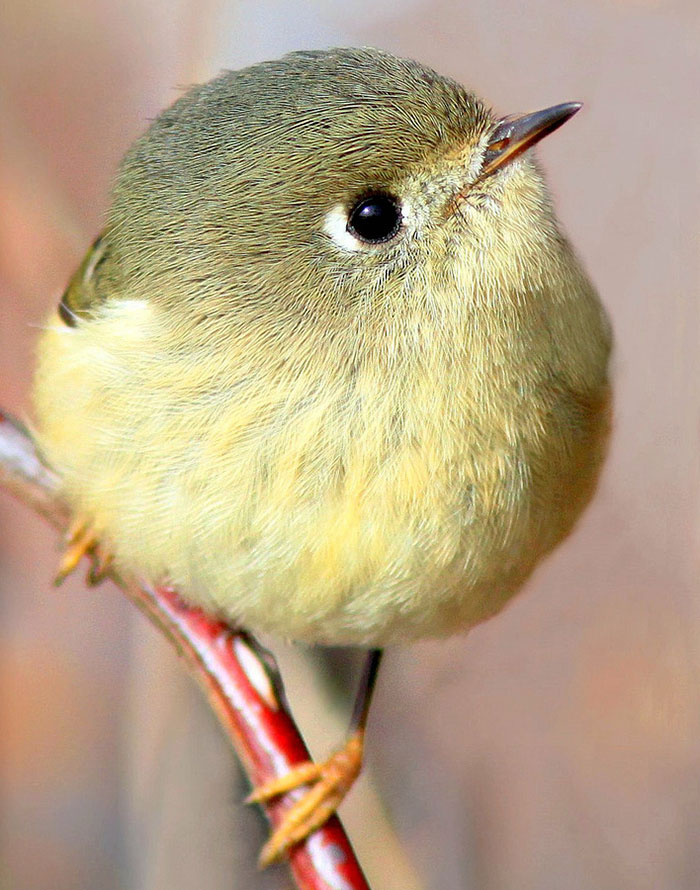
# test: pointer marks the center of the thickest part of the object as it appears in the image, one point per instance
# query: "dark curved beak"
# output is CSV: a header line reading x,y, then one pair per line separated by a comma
x,y
513,136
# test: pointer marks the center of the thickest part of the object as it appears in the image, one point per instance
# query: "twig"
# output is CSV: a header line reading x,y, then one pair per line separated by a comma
x,y
238,676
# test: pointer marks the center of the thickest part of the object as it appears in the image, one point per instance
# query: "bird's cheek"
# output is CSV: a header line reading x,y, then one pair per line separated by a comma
x,y
474,227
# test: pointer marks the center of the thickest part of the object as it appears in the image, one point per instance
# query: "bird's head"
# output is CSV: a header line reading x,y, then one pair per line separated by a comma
x,y
333,185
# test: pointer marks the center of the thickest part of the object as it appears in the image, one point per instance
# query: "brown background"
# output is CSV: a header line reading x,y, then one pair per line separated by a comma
x,y
557,746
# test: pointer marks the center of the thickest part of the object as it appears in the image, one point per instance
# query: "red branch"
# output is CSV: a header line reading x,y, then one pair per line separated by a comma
x,y
239,678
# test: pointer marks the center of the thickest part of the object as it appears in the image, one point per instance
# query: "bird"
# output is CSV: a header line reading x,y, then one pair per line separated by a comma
x,y
332,368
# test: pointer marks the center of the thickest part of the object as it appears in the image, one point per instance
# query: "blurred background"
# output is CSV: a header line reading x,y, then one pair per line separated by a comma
x,y
556,746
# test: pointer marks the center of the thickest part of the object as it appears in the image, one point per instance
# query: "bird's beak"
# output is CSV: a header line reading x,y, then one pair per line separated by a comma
x,y
513,136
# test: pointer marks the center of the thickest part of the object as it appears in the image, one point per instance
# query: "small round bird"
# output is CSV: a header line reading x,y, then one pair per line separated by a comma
x,y
332,369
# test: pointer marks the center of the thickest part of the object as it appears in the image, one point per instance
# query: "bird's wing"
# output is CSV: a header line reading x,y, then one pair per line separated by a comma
x,y
84,294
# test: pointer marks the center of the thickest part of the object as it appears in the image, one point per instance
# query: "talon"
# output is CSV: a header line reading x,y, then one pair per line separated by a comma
x,y
82,541
329,781
300,775
102,563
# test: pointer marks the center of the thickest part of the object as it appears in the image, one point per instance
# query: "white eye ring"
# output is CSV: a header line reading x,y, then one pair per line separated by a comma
x,y
335,225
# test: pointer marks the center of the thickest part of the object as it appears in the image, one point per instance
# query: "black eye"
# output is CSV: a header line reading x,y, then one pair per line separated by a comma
x,y
375,218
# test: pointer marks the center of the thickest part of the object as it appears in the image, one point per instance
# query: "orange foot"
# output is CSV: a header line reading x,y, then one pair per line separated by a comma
x,y
81,541
329,781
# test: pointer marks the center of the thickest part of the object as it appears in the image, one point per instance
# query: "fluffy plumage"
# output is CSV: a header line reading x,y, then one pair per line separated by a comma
x,y
348,446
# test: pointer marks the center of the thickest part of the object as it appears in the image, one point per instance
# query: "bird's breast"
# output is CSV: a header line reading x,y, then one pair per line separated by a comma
x,y
359,507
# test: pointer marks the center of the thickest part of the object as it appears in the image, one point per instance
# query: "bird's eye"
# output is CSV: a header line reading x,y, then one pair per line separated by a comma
x,y
375,218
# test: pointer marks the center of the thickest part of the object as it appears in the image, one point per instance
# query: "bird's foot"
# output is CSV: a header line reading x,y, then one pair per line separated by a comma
x,y
328,783
81,540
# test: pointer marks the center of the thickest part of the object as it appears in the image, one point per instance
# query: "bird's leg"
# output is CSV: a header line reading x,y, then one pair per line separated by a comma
x,y
329,781
81,540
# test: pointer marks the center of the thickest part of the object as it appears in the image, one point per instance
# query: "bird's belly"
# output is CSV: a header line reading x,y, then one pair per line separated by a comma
x,y
374,567
352,532
354,551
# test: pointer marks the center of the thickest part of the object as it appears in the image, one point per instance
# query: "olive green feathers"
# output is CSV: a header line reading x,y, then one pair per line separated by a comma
x,y
331,369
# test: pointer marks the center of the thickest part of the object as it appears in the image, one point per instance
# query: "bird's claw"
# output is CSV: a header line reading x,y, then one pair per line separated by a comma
x,y
81,540
329,783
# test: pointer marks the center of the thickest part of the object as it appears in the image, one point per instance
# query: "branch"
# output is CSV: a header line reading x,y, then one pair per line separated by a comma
x,y
239,678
